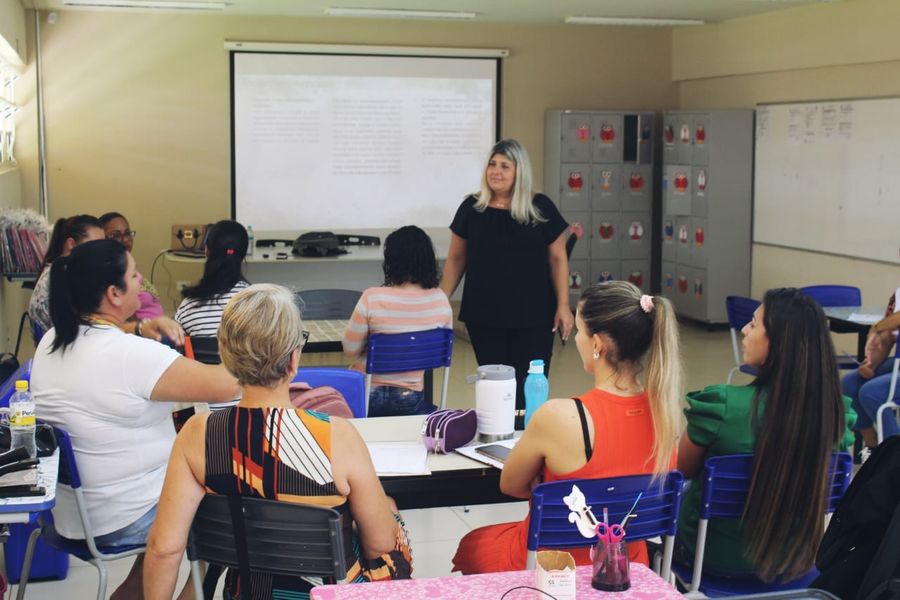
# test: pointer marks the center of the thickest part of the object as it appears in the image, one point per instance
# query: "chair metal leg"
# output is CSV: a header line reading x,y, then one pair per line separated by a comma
x,y
731,375
530,560
197,579
368,391
698,555
668,551
26,565
101,571
444,386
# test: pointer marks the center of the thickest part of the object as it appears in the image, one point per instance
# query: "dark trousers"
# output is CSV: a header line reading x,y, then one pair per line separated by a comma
x,y
513,347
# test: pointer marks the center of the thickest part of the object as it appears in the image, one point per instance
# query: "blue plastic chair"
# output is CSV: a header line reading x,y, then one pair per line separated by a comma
x,y
351,384
9,386
890,403
85,549
657,512
411,351
725,486
834,295
740,312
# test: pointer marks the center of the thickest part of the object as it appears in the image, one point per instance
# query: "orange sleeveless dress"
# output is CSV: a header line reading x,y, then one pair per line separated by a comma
x,y
623,443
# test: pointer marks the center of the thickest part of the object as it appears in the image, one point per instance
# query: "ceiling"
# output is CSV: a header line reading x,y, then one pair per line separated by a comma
x,y
500,11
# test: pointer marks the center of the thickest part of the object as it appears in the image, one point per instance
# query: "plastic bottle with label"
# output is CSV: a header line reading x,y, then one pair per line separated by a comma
x,y
251,241
536,388
21,419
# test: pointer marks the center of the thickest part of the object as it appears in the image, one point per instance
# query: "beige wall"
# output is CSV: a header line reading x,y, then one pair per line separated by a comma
x,y
12,32
137,105
842,50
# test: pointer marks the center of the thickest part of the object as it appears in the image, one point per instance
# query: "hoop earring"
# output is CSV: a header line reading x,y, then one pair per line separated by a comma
x,y
596,355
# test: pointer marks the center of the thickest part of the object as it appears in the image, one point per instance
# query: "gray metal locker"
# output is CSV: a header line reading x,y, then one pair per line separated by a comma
x,y
706,244
598,167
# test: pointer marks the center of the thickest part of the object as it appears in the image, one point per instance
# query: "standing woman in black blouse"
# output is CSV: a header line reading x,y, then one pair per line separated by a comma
x,y
510,244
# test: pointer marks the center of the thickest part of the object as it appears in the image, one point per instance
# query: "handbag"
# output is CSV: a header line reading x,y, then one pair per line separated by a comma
x,y
446,430
324,399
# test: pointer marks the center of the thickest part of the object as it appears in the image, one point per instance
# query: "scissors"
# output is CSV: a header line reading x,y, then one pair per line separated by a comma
x,y
611,534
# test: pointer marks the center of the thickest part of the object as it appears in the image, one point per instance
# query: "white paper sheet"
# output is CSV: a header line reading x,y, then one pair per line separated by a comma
x,y
399,458
472,452
866,319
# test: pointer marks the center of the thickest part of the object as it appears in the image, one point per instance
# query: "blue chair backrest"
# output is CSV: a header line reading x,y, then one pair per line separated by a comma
x,y
657,511
834,295
412,351
351,384
68,468
727,481
9,386
320,305
740,310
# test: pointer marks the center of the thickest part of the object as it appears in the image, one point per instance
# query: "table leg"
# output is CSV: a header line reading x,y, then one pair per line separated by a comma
x,y
861,338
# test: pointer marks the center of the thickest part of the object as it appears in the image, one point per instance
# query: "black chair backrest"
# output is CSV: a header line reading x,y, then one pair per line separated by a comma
x,y
280,538
206,350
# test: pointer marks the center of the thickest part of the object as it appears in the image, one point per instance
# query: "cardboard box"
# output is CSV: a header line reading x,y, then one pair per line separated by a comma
x,y
556,574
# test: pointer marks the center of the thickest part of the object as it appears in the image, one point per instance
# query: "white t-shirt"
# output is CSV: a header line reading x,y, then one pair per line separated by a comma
x,y
98,390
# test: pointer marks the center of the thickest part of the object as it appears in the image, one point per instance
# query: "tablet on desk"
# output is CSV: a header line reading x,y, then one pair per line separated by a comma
x,y
495,451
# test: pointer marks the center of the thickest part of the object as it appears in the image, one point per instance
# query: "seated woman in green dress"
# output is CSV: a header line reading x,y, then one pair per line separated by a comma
x,y
792,417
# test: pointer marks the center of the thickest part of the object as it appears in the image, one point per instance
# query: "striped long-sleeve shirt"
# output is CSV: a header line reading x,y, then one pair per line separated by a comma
x,y
394,310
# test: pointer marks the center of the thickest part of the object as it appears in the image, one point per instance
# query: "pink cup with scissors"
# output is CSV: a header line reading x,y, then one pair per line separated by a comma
x,y
610,558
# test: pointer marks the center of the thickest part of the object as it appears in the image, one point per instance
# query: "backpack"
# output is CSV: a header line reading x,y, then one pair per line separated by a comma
x,y
318,244
859,557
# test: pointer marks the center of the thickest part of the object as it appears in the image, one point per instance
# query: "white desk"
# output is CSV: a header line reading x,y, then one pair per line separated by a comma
x,y
454,481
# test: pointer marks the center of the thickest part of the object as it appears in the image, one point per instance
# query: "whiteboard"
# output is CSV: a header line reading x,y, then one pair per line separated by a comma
x,y
827,177
347,142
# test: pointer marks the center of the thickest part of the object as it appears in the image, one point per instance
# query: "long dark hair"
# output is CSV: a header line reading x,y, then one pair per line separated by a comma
x,y
226,245
409,258
74,227
802,421
78,283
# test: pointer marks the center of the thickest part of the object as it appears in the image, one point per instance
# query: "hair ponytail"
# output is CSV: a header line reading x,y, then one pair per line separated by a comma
x,y
226,246
643,328
78,283
65,320
665,384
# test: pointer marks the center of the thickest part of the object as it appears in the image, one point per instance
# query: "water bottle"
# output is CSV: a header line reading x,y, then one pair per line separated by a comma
x,y
21,419
536,388
251,241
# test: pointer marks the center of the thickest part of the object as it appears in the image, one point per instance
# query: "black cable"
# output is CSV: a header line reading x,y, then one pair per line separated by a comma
x,y
153,266
526,587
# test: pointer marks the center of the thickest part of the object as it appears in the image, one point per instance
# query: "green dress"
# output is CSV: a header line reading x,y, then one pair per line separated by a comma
x,y
719,420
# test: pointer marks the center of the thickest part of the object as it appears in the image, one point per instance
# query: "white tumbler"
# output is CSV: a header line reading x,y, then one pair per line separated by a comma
x,y
495,402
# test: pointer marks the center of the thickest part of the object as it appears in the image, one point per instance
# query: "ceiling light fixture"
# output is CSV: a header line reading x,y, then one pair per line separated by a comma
x,y
149,5
632,22
399,13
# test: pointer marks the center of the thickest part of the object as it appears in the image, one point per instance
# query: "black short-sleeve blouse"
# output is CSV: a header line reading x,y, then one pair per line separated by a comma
x,y
508,279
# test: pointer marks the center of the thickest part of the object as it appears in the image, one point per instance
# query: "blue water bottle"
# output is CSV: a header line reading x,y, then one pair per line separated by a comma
x,y
536,388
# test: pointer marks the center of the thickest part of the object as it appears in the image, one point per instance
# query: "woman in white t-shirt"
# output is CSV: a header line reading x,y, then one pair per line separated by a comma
x,y
102,385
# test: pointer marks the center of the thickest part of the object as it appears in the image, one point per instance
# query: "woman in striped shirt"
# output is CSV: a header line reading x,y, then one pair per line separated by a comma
x,y
409,300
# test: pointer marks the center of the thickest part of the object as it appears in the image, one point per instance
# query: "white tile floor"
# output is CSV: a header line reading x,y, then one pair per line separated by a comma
x,y
435,532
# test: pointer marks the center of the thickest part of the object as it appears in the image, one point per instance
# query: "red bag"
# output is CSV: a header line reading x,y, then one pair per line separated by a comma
x,y
324,399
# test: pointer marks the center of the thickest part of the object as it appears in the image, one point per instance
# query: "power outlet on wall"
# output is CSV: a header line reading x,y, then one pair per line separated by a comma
x,y
180,285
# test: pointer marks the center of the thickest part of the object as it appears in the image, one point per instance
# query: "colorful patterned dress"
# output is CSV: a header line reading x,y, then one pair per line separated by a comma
x,y
284,454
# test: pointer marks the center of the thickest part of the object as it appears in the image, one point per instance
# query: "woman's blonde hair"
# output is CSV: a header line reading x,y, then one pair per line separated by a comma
x,y
522,207
260,328
615,309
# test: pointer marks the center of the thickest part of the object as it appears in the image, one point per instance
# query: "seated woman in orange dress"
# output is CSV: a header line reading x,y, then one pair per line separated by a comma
x,y
622,426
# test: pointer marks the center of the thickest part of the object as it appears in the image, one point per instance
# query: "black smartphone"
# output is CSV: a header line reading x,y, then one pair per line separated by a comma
x,y
495,451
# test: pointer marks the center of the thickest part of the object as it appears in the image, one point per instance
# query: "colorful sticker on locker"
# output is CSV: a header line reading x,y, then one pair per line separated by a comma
x,y
668,231
607,133
668,135
635,231
636,277
606,180
578,229
701,182
606,231
682,284
583,133
575,181
681,182
685,135
699,237
698,288
700,135
604,277
574,280
683,234
636,182
669,282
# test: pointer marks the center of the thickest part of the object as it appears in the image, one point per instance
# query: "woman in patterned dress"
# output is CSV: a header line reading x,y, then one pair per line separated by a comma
x,y
265,448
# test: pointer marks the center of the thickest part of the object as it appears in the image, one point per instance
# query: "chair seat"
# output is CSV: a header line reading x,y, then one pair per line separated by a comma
x,y
718,586
79,548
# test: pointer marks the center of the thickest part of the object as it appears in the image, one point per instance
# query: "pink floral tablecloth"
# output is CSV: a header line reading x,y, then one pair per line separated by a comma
x,y
645,585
